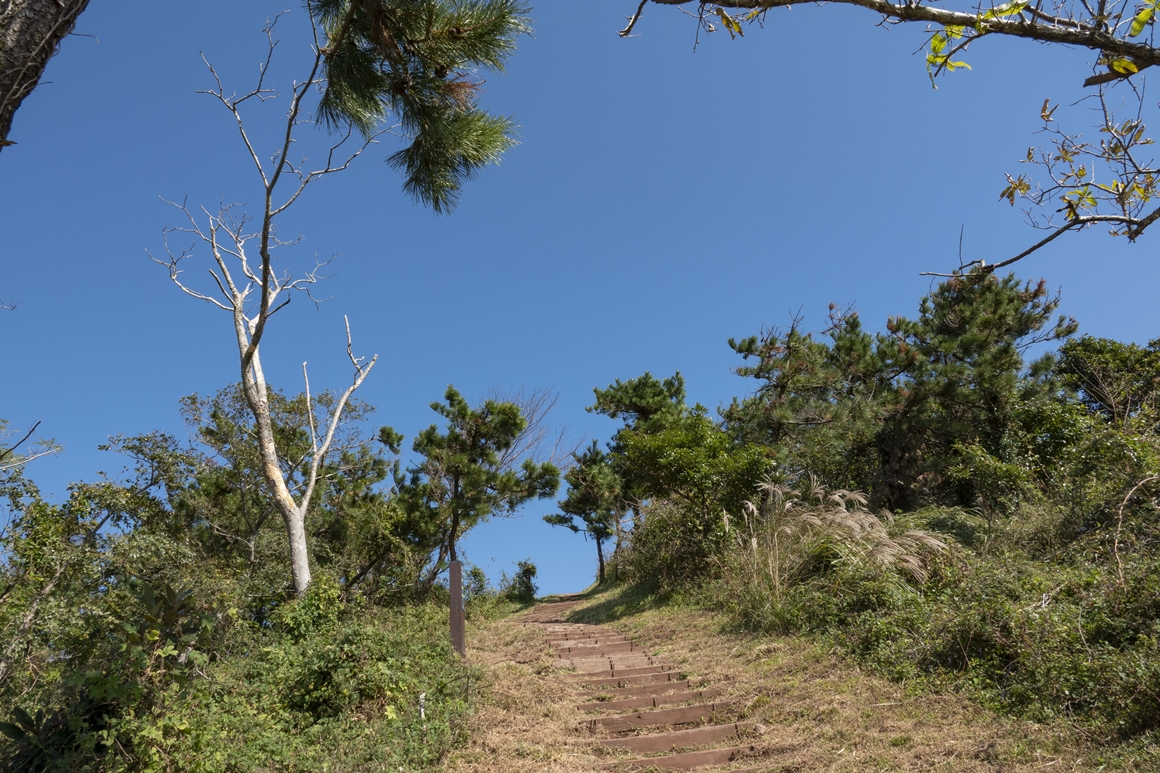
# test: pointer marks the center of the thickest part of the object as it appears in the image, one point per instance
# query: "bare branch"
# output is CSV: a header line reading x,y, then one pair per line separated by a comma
x,y
1120,526
360,373
540,441
310,411
632,20
1094,35
330,168
173,266
6,451
231,104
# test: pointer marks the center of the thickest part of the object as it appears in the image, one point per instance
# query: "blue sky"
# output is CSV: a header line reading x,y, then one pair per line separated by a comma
x,y
661,201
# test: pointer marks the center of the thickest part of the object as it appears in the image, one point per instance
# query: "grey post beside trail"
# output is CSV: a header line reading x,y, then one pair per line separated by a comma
x,y
458,638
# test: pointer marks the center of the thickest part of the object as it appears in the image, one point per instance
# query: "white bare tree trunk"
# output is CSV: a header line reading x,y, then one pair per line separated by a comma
x,y
227,236
293,514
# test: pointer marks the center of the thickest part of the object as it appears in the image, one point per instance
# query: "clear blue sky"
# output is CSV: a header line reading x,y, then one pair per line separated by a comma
x,y
661,201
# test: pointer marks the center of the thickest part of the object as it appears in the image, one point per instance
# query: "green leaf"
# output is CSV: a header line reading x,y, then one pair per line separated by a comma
x,y
1123,66
1141,20
1006,9
12,731
21,716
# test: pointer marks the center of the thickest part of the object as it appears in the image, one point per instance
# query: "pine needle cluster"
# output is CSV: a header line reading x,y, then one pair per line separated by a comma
x,y
418,61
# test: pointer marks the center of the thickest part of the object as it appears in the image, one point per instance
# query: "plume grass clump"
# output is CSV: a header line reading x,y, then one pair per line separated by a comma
x,y
785,540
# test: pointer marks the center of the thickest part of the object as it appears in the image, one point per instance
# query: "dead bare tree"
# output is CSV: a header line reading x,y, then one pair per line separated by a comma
x,y
30,34
247,287
540,441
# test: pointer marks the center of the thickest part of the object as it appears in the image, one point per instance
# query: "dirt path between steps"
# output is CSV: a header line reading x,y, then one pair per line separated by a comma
x,y
665,690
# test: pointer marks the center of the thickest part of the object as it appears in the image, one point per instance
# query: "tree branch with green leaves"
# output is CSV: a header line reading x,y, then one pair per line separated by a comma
x,y
1121,33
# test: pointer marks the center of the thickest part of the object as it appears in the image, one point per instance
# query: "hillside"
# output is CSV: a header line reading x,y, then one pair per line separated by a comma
x,y
796,704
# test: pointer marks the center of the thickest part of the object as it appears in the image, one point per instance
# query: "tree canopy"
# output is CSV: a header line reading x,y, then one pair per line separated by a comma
x,y
418,61
594,497
464,476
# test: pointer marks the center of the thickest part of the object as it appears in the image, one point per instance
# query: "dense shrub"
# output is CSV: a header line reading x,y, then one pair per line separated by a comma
x,y
325,688
342,698
671,547
1060,637
521,586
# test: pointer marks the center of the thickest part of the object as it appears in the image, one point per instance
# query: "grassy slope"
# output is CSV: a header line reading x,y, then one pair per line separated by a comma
x,y
822,711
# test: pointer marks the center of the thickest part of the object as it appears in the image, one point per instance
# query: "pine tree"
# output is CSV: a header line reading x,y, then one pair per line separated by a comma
x,y
647,405
961,369
594,497
465,476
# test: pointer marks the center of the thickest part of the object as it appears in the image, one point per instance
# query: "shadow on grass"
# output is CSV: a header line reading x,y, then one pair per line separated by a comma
x,y
622,601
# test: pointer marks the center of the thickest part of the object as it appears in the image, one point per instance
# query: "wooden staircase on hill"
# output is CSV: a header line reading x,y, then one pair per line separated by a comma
x,y
644,714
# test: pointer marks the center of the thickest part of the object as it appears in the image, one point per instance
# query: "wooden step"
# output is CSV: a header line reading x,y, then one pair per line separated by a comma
x,y
692,760
613,673
633,681
585,638
589,665
649,702
698,736
678,716
636,692
597,649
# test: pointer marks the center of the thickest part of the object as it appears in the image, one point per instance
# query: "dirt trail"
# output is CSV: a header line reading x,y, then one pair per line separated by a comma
x,y
667,691
676,727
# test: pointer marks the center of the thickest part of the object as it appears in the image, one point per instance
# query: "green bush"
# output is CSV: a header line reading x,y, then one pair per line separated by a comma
x,y
1040,639
347,698
520,587
672,547
316,612
319,690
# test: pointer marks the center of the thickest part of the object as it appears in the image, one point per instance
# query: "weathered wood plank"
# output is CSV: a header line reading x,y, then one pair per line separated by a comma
x,y
692,760
651,701
635,692
698,736
678,716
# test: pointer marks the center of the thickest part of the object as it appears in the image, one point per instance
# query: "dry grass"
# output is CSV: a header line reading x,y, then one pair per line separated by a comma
x,y
821,713
525,718
782,539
